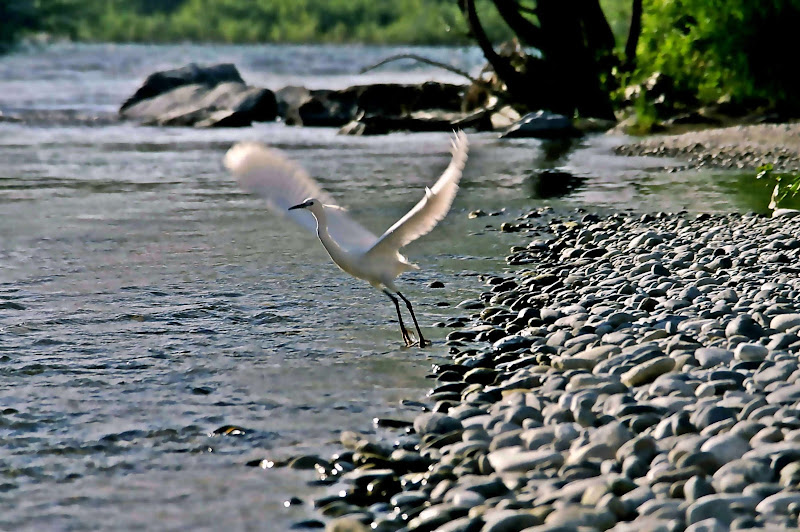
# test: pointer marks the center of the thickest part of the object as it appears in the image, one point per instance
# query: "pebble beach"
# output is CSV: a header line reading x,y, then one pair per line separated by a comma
x,y
625,372
744,147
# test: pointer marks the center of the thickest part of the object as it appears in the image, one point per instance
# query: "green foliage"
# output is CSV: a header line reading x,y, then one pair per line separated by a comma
x,y
645,114
301,21
23,17
246,21
737,49
786,185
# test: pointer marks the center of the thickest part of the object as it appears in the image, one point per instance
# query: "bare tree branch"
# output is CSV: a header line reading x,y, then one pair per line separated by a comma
x,y
528,32
421,59
501,65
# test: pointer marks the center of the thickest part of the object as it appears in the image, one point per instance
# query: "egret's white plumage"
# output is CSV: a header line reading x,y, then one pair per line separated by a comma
x,y
289,190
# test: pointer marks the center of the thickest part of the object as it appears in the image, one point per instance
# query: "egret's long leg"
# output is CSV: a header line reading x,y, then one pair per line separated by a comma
x,y
406,338
422,342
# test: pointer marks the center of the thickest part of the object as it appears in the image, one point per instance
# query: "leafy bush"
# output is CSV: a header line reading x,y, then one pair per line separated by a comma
x,y
737,49
243,21
250,21
786,188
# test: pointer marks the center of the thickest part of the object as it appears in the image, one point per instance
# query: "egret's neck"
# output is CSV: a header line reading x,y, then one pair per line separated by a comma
x,y
325,237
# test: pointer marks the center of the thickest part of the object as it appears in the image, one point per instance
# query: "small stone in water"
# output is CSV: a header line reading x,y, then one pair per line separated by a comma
x,y
229,430
308,524
392,423
294,501
308,462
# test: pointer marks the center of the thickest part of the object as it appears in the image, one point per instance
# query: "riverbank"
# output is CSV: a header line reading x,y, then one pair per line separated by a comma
x,y
627,372
744,147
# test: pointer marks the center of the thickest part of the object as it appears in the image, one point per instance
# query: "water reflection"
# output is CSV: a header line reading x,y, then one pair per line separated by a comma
x,y
547,184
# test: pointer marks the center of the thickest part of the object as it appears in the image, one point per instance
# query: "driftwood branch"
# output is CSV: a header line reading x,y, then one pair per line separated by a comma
x,y
502,66
420,59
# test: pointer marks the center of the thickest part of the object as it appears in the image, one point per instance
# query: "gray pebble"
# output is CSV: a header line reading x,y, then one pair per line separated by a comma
x,y
435,423
710,357
784,322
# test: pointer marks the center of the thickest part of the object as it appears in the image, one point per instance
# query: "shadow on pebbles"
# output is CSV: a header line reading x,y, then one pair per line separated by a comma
x,y
627,373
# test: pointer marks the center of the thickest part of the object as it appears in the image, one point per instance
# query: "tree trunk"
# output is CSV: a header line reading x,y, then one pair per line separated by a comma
x,y
518,86
576,44
574,38
598,32
527,32
633,36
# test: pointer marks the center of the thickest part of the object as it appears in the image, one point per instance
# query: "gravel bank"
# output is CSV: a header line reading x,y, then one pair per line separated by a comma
x,y
629,372
745,147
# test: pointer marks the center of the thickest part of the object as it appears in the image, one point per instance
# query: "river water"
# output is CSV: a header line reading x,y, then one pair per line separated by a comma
x,y
145,302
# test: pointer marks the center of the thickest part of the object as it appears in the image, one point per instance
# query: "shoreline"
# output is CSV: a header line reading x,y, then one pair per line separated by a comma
x,y
743,147
627,372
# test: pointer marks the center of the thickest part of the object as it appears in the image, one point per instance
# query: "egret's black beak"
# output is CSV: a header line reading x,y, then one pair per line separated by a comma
x,y
300,205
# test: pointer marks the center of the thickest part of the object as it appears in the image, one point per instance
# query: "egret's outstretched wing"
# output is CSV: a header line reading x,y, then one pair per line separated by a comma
x,y
430,209
269,173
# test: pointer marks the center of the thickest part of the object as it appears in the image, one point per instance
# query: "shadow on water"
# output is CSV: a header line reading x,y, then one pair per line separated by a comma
x,y
553,184
548,179
555,151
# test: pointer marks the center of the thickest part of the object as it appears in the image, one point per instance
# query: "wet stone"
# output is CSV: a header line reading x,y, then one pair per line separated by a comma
x,y
713,356
307,524
750,352
435,516
784,322
508,520
435,423
744,325
696,487
513,459
648,371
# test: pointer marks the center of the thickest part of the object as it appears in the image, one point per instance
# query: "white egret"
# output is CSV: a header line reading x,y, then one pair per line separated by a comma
x,y
290,191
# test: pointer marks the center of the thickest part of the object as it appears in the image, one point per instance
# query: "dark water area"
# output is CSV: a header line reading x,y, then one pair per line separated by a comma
x,y
145,302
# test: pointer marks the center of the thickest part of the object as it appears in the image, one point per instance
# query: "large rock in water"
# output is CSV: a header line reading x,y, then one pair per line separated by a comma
x,y
191,74
432,120
542,125
387,107
394,99
214,96
299,106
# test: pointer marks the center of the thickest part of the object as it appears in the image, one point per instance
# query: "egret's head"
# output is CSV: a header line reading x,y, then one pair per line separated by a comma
x,y
309,203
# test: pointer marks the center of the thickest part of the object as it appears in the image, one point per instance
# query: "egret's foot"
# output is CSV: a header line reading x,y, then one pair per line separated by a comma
x,y
408,340
423,343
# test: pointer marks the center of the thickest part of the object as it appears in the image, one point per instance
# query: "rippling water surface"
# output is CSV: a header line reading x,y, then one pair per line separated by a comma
x,y
145,302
